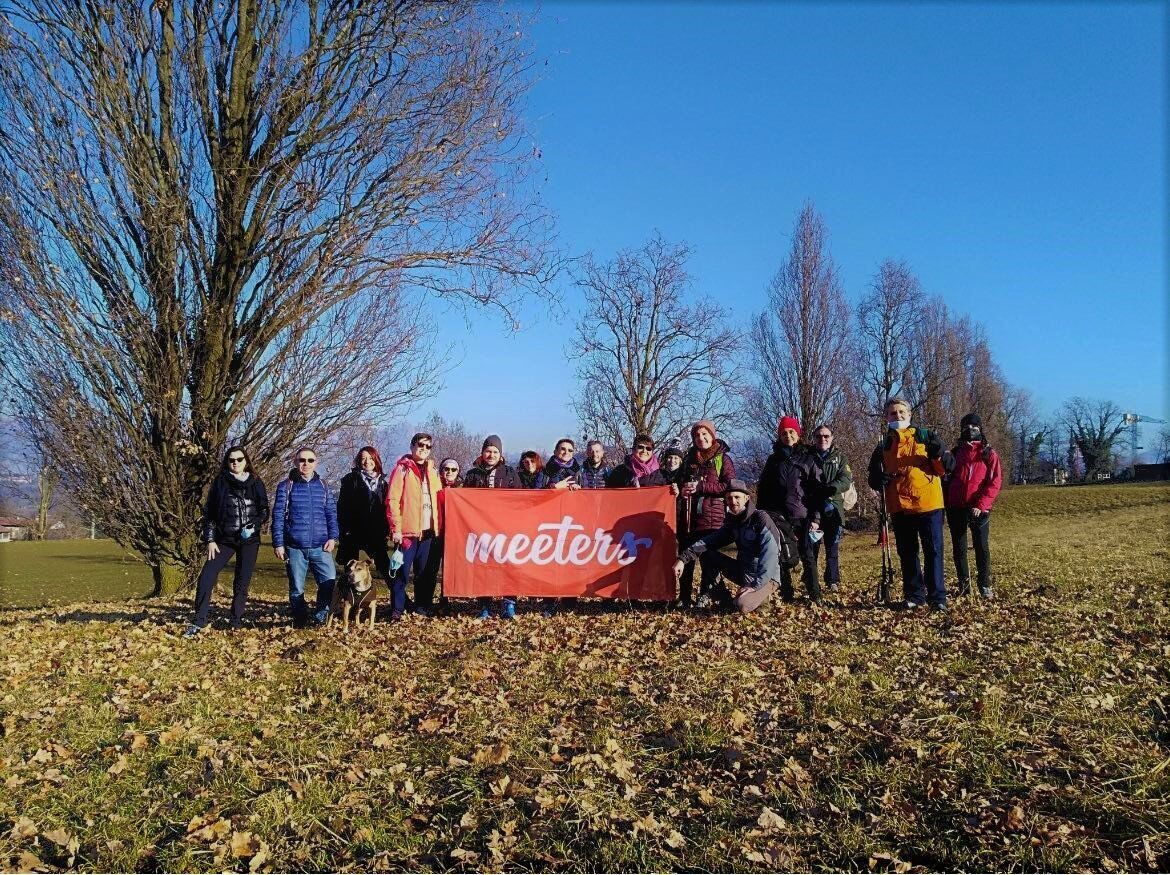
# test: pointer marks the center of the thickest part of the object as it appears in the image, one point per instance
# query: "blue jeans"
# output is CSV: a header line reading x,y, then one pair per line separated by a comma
x,y
300,560
921,582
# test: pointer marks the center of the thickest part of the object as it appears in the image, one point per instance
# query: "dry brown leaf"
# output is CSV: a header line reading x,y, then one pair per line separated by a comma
x,y
771,821
119,765
57,837
492,755
738,719
24,828
244,844
675,839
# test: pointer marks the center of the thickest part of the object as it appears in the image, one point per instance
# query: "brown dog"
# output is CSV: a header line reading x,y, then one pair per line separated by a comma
x,y
354,593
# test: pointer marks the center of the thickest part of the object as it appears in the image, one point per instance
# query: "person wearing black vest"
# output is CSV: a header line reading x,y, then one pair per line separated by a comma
x,y
236,508
361,512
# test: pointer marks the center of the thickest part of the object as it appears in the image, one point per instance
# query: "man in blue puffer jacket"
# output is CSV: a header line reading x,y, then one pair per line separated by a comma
x,y
304,533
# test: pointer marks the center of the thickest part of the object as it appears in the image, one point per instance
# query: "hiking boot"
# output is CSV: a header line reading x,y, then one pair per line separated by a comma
x,y
422,611
963,587
985,592
236,625
912,605
939,608
834,588
320,617
192,630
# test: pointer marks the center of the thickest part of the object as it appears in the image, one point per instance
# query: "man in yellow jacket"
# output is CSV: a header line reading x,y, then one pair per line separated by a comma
x,y
908,468
415,519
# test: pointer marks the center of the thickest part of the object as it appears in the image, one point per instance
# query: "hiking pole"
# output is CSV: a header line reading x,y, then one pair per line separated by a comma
x,y
887,577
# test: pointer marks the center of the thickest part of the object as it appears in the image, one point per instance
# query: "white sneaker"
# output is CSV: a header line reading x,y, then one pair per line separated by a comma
x,y
912,605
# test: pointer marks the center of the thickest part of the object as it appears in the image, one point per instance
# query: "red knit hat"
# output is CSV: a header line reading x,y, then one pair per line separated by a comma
x,y
788,422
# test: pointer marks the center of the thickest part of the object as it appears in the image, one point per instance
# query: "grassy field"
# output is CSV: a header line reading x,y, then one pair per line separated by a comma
x,y
1026,733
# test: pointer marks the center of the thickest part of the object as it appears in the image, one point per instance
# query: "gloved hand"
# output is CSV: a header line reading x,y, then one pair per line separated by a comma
x,y
934,447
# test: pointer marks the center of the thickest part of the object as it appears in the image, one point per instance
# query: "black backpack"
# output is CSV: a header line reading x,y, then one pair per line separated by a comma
x,y
789,547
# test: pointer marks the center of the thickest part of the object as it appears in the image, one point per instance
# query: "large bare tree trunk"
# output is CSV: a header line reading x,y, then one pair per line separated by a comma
x,y
222,219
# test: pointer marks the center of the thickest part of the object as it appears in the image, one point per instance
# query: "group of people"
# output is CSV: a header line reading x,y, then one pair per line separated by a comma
x,y
396,518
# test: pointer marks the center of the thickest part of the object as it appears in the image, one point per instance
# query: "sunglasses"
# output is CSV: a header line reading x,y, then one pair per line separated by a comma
x,y
450,470
423,446
234,459
304,461
647,447
824,437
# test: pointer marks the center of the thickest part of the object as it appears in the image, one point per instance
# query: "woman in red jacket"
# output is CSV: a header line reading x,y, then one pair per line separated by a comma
x,y
970,493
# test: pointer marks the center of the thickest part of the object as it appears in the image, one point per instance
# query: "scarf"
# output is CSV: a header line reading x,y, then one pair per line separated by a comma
x,y
370,478
554,470
243,478
642,469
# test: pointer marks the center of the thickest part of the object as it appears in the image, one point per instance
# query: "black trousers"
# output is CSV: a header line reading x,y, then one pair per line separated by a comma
x,y
960,520
809,572
686,583
245,563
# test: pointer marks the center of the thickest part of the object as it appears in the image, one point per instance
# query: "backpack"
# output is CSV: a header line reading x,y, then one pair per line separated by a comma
x,y
789,547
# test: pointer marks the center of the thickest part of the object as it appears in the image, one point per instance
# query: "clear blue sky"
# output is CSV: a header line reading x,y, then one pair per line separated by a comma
x,y
1012,154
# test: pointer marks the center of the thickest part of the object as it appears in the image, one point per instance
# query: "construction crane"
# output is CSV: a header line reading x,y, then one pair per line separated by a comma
x,y
1132,420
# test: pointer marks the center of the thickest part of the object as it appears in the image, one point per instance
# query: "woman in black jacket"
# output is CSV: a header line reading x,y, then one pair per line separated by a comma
x,y
639,469
237,506
361,512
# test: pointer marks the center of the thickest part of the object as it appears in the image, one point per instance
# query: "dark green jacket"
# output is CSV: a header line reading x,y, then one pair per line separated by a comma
x,y
836,478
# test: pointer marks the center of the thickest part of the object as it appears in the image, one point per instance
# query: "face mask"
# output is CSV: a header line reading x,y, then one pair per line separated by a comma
x,y
898,424
972,433
815,535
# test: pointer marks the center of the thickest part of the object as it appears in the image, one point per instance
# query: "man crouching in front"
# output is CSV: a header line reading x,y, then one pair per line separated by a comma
x,y
757,562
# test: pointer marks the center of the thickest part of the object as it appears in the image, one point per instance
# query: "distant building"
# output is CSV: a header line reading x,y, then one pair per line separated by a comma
x,y
14,529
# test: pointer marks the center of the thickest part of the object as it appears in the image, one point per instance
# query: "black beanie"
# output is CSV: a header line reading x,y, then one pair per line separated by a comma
x,y
971,419
493,440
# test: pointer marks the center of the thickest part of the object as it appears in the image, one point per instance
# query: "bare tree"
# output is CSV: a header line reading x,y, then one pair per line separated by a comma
x,y
218,217
1094,427
800,343
1161,448
650,360
452,439
26,466
886,321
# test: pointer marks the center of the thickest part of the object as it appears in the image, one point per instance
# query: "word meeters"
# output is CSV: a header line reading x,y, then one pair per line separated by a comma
x,y
553,544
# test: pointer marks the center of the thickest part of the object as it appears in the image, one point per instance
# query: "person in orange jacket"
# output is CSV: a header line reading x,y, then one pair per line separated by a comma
x,y
970,492
908,468
415,518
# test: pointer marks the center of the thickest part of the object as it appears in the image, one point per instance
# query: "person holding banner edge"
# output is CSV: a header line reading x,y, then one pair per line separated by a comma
x,y
490,471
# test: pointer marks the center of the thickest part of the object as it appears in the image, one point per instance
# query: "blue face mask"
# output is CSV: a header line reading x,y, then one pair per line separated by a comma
x,y
898,424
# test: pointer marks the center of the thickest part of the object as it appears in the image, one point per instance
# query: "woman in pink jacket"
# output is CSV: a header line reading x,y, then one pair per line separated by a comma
x,y
970,493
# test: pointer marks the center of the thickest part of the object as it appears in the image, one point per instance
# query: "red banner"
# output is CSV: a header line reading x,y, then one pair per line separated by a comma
x,y
608,543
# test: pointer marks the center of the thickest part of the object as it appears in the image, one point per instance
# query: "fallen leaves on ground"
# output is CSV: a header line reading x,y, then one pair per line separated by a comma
x,y
1025,733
